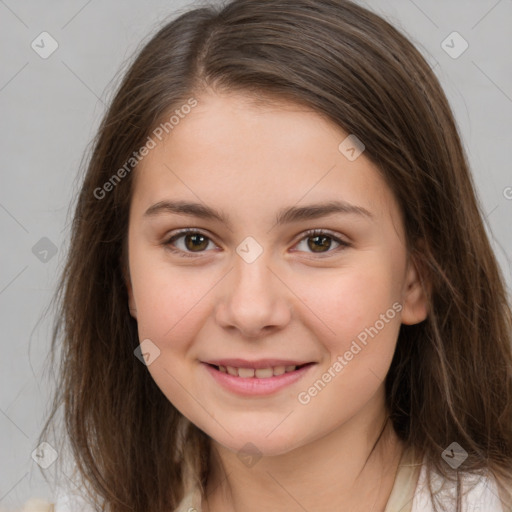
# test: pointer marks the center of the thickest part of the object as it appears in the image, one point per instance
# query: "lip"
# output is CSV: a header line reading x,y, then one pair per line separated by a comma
x,y
259,363
253,386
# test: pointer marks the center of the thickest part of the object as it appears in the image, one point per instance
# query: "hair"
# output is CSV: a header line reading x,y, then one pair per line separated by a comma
x,y
450,377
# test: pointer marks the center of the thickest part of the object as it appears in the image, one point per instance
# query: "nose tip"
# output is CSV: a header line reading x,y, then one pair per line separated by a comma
x,y
253,301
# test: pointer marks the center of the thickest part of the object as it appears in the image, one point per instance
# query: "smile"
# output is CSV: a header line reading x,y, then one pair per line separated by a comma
x,y
259,373
246,381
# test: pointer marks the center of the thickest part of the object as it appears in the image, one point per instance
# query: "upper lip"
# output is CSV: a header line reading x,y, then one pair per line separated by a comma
x,y
258,363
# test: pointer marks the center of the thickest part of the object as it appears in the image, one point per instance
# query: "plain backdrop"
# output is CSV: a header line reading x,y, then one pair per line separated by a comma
x,y
51,107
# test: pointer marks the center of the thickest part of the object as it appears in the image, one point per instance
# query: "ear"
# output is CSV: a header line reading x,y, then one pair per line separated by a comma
x,y
129,289
416,288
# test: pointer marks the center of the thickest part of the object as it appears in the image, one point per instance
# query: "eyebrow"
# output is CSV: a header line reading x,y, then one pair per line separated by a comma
x,y
284,216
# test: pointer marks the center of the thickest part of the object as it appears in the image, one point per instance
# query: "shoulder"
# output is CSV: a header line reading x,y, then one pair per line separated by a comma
x,y
478,492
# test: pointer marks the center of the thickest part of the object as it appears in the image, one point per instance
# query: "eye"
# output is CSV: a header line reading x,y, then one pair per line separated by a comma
x,y
318,239
194,241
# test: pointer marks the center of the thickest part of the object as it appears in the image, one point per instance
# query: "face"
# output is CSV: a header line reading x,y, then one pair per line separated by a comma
x,y
261,331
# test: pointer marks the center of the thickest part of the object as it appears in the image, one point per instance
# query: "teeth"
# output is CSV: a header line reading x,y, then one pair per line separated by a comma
x,y
260,373
279,370
245,372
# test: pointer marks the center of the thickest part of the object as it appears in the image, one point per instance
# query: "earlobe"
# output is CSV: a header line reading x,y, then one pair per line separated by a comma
x,y
415,298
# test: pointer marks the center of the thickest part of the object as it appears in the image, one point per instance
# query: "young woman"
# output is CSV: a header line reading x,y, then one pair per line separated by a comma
x,y
280,294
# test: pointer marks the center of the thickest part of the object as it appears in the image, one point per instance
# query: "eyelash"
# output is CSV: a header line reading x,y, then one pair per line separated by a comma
x,y
308,234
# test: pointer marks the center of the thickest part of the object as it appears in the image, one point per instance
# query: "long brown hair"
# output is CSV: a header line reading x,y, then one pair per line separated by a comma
x,y
450,378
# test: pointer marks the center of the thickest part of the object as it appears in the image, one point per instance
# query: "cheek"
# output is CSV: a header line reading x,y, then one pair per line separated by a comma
x,y
168,309
168,301
360,319
357,304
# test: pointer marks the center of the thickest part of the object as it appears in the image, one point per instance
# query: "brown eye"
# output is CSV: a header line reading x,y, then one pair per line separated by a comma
x,y
193,242
320,241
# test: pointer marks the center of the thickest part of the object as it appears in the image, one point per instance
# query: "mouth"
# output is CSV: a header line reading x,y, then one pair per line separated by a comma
x,y
268,372
257,378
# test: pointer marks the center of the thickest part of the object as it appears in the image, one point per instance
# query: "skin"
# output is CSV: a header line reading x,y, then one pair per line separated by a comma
x,y
249,161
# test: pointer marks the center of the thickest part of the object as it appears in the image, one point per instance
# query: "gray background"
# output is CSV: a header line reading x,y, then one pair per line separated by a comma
x,y
52,107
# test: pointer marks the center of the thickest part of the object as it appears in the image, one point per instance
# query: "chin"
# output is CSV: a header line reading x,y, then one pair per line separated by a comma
x,y
257,442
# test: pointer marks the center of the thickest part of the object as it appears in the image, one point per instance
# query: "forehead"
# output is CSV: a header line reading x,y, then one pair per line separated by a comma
x,y
233,151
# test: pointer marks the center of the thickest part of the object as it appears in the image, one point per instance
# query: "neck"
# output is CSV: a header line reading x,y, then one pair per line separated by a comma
x,y
351,468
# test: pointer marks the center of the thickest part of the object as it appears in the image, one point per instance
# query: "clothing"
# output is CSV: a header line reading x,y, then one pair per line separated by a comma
x,y
409,493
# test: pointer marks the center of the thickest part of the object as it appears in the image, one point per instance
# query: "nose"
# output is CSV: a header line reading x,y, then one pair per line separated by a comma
x,y
254,300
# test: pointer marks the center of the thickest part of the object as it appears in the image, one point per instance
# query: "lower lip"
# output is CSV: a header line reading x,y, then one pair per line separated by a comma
x,y
253,386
